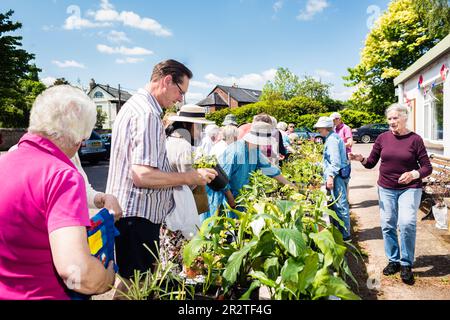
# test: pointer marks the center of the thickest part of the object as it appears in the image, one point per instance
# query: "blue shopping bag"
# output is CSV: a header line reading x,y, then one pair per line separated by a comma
x,y
101,234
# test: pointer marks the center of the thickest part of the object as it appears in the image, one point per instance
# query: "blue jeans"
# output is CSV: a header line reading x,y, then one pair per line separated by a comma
x,y
341,207
398,208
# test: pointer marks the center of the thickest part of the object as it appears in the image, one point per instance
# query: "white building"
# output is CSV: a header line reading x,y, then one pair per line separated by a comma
x,y
108,99
425,88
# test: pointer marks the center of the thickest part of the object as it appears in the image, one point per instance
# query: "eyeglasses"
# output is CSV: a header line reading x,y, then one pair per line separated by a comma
x,y
183,94
181,90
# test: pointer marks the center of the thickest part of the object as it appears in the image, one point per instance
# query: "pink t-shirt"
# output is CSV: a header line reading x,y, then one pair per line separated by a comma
x,y
41,191
345,133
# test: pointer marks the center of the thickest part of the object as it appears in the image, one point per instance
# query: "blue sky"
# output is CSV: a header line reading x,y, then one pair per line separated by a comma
x,y
222,42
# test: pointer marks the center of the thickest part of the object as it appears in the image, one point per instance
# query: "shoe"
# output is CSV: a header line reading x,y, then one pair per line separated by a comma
x,y
391,268
407,275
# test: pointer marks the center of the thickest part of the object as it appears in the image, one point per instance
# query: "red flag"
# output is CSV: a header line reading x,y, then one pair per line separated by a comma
x,y
420,81
444,71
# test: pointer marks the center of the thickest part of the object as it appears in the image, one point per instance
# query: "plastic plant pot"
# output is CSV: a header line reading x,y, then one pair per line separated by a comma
x,y
221,181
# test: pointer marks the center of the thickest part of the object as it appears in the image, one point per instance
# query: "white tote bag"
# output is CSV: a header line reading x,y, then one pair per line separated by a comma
x,y
185,216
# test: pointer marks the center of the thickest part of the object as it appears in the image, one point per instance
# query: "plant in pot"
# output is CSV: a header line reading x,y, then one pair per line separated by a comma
x,y
210,162
158,284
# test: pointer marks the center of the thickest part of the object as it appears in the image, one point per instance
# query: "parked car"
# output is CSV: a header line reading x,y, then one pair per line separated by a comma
x,y
307,134
92,149
106,137
370,132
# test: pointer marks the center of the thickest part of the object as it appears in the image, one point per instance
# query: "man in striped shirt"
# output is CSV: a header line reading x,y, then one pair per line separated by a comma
x,y
139,174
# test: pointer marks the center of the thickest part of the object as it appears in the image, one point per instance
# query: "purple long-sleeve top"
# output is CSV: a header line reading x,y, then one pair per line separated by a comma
x,y
399,154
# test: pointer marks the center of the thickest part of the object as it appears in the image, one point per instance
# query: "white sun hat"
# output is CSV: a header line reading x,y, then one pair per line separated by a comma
x,y
324,122
260,134
191,113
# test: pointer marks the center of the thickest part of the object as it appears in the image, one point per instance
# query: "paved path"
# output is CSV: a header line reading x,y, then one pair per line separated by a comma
x,y
432,265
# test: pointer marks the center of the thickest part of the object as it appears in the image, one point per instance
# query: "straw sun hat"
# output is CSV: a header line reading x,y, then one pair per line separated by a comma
x,y
260,134
191,113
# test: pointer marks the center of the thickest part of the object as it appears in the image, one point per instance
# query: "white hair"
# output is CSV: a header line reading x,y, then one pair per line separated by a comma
x,y
212,130
401,109
230,133
63,113
282,126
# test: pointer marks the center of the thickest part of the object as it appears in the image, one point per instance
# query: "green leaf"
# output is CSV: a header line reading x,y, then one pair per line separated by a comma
x,y
307,275
272,268
333,252
253,286
292,240
262,277
235,262
265,245
290,271
333,214
192,249
285,207
326,285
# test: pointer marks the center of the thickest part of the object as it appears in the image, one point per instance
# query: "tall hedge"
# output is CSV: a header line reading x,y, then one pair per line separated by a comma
x,y
301,111
282,110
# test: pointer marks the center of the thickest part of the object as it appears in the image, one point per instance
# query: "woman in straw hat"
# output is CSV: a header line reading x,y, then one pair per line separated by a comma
x,y
239,160
183,131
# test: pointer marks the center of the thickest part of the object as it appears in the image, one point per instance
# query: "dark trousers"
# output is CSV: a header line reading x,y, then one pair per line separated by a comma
x,y
131,254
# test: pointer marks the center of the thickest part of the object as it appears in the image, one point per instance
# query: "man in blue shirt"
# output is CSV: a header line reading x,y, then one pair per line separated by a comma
x,y
335,165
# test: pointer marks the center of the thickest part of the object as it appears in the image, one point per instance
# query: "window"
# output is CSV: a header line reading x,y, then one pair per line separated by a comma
x,y
434,113
98,95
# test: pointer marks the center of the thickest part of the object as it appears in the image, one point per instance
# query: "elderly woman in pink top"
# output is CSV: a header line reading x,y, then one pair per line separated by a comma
x,y
44,252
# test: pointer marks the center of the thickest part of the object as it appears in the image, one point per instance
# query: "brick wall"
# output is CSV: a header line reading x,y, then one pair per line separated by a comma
x,y
233,103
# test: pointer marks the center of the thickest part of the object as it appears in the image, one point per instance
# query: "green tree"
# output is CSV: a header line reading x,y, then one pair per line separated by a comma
x,y
283,87
19,81
435,15
101,118
313,89
61,81
400,37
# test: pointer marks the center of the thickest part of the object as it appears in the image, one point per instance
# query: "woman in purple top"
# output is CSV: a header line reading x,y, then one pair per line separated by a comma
x,y
404,163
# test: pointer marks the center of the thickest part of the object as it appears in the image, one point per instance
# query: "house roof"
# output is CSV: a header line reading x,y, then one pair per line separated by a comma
x,y
214,99
124,95
241,94
434,53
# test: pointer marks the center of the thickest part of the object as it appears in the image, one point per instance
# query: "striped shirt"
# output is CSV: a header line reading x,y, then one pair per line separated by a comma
x,y
138,138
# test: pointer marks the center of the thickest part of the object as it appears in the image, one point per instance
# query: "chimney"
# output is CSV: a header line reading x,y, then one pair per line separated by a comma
x,y
92,84
107,88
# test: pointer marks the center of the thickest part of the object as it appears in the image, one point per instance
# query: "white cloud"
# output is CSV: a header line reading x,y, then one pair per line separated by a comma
x,y
324,73
193,97
313,7
251,81
136,51
68,64
278,5
107,13
132,19
76,22
117,36
48,81
129,60
200,84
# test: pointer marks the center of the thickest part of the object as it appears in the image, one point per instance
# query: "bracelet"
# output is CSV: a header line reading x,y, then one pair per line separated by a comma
x,y
363,159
